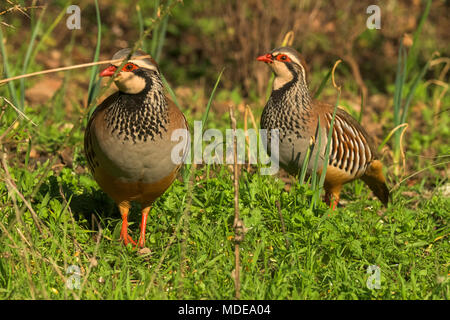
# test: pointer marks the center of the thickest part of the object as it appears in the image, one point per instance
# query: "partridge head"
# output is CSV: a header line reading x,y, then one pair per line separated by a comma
x,y
135,74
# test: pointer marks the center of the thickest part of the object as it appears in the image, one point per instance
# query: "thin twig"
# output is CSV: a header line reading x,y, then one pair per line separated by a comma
x,y
18,7
77,66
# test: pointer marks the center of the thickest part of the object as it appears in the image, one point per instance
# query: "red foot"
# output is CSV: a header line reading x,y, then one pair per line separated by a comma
x,y
145,212
331,201
141,242
126,238
124,231
333,205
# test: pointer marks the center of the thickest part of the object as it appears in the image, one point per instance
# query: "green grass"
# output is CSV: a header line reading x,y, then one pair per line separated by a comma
x,y
53,214
327,256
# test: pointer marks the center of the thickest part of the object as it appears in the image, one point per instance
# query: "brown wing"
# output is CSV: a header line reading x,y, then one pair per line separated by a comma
x,y
88,148
178,121
351,149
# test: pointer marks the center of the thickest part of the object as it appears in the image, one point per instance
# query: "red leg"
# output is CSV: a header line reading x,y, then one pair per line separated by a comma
x,y
333,204
145,212
124,236
332,199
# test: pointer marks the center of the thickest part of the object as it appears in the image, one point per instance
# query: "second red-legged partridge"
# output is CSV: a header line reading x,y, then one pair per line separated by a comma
x,y
128,141
292,111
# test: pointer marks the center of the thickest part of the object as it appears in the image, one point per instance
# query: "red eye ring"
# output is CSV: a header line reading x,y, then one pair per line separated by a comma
x,y
283,58
129,67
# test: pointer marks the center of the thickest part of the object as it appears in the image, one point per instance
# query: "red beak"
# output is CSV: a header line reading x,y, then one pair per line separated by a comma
x,y
268,58
108,72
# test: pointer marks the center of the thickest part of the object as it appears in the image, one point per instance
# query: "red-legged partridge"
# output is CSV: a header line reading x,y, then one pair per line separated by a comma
x,y
292,111
128,141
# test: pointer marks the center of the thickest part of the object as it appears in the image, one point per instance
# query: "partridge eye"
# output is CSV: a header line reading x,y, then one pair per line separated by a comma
x,y
129,67
283,58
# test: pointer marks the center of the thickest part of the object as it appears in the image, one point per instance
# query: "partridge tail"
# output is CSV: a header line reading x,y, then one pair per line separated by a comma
x,y
374,178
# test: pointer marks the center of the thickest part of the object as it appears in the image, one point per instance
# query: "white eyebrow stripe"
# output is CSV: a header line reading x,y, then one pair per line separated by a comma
x,y
293,58
140,63
144,64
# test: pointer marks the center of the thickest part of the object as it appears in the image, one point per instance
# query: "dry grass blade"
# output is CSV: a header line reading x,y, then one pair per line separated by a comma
x,y
446,67
7,25
18,110
418,172
22,250
248,112
402,153
8,130
332,75
77,66
12,187
25,249
247,139
252,118
26,245
288,39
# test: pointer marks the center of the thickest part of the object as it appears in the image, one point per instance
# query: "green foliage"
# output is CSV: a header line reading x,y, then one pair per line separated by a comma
x,y
53,214
327,255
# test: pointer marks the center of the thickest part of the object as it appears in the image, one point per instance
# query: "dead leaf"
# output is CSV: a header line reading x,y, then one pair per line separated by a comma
x,y
144,251
67,157
43,90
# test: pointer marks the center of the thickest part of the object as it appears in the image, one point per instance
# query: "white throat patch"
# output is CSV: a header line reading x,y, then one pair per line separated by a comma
x,y
128,82
282,75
